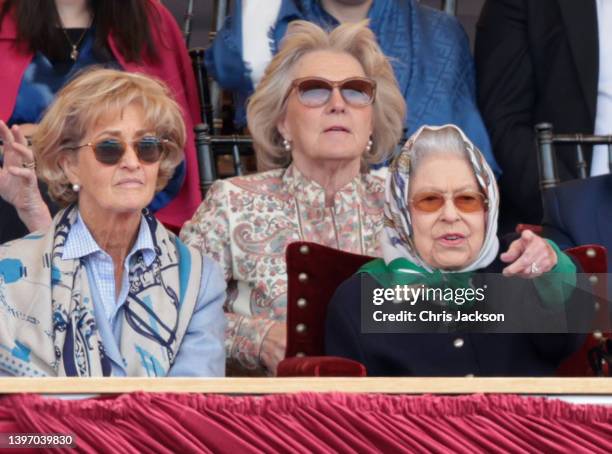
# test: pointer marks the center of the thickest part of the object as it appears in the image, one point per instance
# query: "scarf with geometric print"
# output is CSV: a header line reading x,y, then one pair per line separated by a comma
x,y
47,322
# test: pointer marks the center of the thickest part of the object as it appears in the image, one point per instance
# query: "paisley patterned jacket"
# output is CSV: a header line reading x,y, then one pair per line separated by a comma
x,y
245,223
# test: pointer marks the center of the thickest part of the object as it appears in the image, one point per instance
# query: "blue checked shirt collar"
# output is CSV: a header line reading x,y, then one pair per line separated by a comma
x,y
80,243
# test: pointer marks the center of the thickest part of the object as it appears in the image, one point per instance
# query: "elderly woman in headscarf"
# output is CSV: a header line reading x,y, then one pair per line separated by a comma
x,y
106,289
440,231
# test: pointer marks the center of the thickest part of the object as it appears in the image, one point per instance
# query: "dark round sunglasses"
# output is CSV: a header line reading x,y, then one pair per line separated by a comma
x,y
149,149
317,91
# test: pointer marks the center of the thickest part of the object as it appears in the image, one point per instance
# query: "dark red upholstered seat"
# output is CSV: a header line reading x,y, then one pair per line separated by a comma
x,y
314,272
593,261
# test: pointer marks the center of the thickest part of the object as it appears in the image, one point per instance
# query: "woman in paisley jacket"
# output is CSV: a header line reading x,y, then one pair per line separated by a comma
x,y
327,106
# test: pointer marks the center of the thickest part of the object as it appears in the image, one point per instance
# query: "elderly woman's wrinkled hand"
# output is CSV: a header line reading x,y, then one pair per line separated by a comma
x,y
273,347
18,182
529,256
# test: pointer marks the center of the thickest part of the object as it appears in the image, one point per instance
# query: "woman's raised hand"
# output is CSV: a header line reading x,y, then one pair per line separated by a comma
x,y
18,182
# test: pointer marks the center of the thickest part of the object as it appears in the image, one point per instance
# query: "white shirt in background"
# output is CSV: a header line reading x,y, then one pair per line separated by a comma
x,y
603,117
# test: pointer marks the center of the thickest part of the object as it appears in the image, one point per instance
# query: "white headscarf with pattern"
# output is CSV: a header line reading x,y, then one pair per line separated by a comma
x,y
397,237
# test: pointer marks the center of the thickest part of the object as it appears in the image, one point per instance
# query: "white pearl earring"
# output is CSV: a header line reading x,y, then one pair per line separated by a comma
x,y
76,187
369,146
287,145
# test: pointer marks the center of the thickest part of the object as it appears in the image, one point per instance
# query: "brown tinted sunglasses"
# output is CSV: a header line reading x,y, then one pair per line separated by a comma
x,y
149,149
466,202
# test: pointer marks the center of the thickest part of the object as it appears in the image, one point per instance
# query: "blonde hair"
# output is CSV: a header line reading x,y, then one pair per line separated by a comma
x,y
268,103
89,99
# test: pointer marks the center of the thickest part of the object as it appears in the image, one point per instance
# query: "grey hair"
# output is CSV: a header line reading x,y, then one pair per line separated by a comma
x,y
432,140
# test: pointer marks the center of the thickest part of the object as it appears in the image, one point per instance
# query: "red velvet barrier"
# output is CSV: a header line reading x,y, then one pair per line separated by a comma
x,y
305,422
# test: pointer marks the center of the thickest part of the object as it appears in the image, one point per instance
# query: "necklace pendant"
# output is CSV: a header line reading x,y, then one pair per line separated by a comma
x,y
75,53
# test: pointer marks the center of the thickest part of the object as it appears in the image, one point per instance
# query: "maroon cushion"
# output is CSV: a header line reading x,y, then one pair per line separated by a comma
x,y
314,272
593,260
320,366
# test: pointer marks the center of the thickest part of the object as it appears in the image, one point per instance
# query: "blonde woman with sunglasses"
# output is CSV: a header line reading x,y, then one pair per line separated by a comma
x,y
327,107
106,290
440,258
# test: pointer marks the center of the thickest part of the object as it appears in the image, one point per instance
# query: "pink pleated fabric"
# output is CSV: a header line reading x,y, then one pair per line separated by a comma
x,y
308,422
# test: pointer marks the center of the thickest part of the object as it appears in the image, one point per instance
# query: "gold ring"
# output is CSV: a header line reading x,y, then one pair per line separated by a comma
x,y
29,165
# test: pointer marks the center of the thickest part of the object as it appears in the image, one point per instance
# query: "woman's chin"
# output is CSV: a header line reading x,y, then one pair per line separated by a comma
x,y
120,209
132,202
340,151
452,262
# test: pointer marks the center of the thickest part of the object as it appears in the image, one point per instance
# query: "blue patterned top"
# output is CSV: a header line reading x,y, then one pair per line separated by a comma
x,y
43,78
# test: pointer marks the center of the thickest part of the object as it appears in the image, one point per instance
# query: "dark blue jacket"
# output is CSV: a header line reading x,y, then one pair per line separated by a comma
x,y
579,212
438,354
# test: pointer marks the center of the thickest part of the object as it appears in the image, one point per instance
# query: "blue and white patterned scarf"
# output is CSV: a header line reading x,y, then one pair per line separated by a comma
x,y
47,323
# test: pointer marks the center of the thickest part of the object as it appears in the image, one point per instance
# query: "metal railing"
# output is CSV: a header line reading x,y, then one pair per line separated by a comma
x,y
211,147
546,141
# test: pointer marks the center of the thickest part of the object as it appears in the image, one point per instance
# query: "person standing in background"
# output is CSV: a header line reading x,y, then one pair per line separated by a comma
x,y
428,50
45,43
542,61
